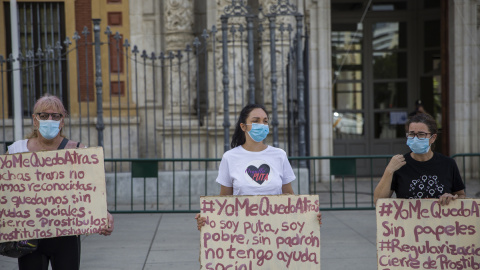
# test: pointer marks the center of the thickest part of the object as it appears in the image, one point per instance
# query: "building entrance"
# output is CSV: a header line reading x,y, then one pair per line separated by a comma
x,y
385,57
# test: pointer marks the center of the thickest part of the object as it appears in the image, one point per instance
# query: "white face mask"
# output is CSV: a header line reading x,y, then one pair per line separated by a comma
x,y
49,128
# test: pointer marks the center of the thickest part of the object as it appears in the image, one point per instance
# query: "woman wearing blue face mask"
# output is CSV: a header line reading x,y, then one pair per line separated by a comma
x,y
252,167
48,122
421,173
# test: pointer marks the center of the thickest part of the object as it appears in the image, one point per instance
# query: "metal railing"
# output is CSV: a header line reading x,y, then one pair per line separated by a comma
x,y
469,166
342,182
146,189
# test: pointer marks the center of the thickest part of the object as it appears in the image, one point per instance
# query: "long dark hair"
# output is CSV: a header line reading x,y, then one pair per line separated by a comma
x,y
238,137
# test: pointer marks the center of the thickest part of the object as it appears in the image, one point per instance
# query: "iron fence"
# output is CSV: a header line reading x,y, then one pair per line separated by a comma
x,y
469,166
171,104
147,189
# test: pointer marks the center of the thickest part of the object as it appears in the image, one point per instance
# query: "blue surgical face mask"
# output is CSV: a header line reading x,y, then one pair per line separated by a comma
x,y
418,146
49,128
258,132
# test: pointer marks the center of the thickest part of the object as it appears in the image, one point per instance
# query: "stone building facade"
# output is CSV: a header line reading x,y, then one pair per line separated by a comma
x,y
167,26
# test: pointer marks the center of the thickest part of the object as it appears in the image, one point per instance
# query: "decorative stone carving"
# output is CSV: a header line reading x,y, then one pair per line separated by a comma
x,y
178,23
225,6
273,6
178,15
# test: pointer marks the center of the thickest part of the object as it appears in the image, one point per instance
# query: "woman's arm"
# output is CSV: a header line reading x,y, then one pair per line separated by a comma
x,y
383,189
287,189
461,194
226,190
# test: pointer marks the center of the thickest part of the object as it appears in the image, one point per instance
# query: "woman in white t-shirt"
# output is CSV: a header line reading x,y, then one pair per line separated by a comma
x,y
252,167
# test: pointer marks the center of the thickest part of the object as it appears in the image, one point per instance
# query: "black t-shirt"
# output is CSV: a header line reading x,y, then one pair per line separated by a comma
x,y
427,179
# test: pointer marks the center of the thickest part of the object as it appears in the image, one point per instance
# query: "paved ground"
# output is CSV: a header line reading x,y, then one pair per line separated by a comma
x,y
171,241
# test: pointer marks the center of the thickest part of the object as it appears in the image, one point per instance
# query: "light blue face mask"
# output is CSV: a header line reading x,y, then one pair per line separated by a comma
x,y
49,128
418,146
258,132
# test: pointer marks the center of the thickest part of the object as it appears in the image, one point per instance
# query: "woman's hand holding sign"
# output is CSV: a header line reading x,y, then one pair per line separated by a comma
x,y
200,221
107,230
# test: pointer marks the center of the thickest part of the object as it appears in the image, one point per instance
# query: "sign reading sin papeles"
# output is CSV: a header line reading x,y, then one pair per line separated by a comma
x,y
52,193
260,232
422,234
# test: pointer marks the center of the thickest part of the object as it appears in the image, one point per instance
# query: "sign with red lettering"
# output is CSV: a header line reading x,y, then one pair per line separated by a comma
x,y
422,234
260,232
52,193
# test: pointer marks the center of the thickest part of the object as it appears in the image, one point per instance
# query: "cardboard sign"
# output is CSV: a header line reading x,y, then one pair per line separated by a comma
x,y
422,234
260,232
52,193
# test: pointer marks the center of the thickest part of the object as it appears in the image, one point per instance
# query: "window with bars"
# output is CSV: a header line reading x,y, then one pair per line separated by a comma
x,y
41,27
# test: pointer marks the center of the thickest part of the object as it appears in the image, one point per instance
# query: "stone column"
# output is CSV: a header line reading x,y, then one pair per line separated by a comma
x,y
464,84
145,34
285,29
321,134
464,92
237,73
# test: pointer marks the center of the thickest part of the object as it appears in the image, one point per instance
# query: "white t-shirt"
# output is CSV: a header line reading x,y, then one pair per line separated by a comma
x,y
255,173
18,147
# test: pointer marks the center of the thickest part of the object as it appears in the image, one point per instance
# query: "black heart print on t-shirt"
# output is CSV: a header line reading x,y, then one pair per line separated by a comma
x,y
260,174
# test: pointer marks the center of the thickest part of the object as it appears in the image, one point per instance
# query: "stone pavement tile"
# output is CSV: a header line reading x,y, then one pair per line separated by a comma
x,y
176,240
174,256
173,266
348,240
345,250
126,248
347,263
113,266
176,244
362,222
7,263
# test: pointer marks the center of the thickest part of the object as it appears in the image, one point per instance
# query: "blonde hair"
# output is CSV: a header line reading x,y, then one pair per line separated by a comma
x,y
45,103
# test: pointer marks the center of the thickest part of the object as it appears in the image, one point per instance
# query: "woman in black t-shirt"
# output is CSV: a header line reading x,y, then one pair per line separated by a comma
x,y
421,173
